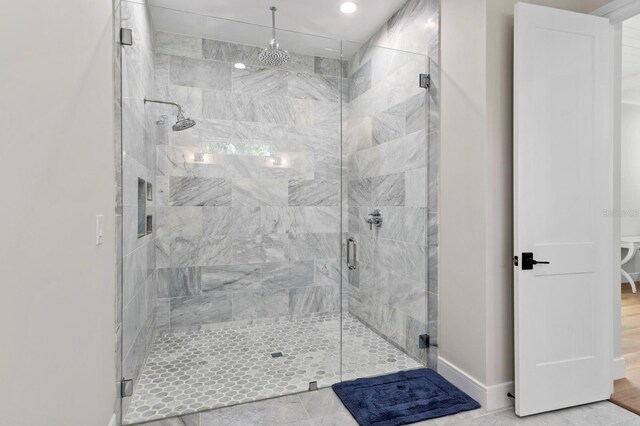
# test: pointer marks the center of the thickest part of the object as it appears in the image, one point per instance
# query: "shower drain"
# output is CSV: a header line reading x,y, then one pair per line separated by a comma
x,y
276,355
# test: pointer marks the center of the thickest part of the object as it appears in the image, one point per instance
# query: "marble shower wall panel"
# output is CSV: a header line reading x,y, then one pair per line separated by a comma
x,y
138,159
248,201
391,160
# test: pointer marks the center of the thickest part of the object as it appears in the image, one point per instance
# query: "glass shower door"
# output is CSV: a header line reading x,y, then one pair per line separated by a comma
x,y
385,138
231,228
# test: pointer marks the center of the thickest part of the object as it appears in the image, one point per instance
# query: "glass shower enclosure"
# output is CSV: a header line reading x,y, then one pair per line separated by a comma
x,y
280,244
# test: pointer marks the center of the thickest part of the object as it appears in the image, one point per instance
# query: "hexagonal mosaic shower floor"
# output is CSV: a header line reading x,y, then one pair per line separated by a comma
x,y
189,371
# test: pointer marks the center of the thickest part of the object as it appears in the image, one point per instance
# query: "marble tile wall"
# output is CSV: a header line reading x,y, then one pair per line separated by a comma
x,y
391,137
248,201
137,291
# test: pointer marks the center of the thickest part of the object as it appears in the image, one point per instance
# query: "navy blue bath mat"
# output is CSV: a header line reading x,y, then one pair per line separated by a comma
x,y
402,398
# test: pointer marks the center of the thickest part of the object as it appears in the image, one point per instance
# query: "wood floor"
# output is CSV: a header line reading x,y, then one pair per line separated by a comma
x,y
627,390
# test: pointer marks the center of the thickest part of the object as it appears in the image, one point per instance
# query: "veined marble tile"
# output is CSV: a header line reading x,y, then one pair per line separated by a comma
x,y
314,86
161,69
189,98
230,277
228,105
201,251
328,272
188,420
235,221
415,113
277,109
416,262
327,167
200,73
326,114
314,246
354,220
194,191
296,220
178,282
260,304
178,45
328,66
321,219
299,62
408,295
415,185
275,247
173,222
230,52
307,300
406,153
314,192
254,192
390,256
360,81
260,81
286,410
282,275
319,141
360,192
388,190
274,220
212,307
248,249
389,125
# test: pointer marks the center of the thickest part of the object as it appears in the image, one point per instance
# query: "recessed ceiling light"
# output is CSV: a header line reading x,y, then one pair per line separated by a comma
x,y
240,66
348,7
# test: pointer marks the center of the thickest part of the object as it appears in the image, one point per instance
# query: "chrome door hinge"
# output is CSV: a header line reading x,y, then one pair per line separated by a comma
x,y
425,81
126,37
126,388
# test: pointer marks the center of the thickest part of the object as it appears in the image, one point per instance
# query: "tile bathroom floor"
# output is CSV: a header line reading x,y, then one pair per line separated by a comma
x,y
323,408
189,371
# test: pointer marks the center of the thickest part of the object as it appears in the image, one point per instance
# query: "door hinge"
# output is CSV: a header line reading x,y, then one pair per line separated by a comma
x,y
126,37
126,388
515,260
425,81
424,342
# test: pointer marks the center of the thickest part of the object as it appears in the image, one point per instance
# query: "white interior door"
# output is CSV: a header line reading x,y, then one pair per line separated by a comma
x,y
563,109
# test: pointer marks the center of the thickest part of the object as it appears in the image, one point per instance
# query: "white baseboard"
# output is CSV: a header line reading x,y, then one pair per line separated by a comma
x,y
492,398
112,422
618,368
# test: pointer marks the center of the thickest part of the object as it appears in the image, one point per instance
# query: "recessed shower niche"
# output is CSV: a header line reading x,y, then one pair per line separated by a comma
x,y
254,191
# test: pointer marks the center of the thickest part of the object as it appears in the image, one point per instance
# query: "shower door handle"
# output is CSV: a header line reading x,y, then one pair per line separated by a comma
x,y
351,242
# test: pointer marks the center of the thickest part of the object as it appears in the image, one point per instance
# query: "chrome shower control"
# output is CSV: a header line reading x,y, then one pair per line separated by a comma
x,y
375,218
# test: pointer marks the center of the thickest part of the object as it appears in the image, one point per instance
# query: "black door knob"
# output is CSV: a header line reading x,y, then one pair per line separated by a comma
x,y
528,261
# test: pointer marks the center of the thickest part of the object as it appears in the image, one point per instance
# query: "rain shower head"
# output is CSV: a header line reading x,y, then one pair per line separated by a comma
x,y
182,123
273,55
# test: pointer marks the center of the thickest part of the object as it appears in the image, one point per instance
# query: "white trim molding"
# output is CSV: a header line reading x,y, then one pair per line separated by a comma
x,y
618,368
619,10
491,398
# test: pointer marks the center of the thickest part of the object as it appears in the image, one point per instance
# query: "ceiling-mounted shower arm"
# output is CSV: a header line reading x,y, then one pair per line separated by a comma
x,y
273,21
165,103
273,43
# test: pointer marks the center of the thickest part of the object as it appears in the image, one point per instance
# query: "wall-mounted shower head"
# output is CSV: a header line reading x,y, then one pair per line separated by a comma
x,y
273,55
182,123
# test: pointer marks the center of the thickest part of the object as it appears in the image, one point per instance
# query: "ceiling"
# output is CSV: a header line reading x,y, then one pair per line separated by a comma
x,y
317,17
631,60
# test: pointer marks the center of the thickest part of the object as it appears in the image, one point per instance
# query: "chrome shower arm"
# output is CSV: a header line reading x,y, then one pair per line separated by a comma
x,y
165,103
273,21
